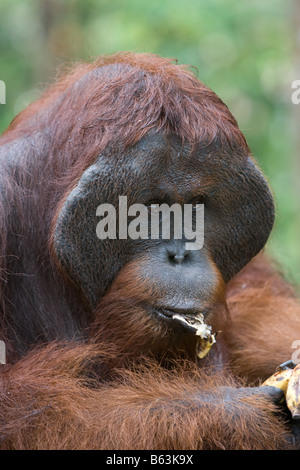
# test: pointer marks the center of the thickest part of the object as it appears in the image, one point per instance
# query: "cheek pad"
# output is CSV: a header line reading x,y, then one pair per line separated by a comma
x,y
246,222
89,262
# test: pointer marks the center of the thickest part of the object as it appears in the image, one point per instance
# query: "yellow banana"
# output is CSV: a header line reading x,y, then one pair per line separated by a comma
x,y
203,346
280,379
198,327
293,393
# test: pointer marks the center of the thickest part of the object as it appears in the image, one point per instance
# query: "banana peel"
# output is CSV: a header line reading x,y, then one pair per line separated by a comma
x,y
198,327
280,379
292,396
288,380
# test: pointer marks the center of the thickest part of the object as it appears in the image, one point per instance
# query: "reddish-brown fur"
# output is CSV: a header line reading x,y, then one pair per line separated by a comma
x,y
105,392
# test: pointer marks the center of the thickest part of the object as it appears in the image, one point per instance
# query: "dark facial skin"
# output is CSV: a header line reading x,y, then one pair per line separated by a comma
x,y
158,169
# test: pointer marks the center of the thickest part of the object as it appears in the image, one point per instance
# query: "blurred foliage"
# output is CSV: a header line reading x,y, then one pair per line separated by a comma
x,y
245,51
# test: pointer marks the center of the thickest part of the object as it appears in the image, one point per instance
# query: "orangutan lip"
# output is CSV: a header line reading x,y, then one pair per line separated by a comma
x,y
173,317
185,312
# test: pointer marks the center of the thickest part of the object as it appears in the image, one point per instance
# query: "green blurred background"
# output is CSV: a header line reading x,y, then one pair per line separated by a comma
x,y
247,52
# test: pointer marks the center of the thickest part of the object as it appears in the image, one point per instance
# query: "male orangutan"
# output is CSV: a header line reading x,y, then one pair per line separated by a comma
x,y
96,356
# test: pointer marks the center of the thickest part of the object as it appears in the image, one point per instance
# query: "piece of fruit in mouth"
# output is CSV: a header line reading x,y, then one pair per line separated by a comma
x,y
197,326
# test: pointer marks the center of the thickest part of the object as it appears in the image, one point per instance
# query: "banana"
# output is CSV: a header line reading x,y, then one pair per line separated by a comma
x,y
280,379
197,326
293,393
203,345
288,380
